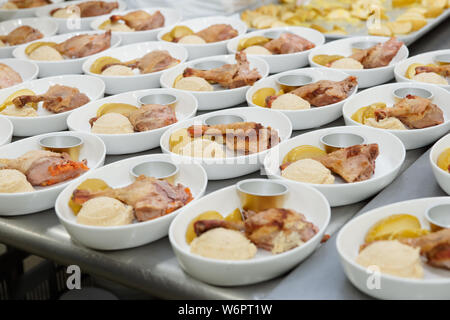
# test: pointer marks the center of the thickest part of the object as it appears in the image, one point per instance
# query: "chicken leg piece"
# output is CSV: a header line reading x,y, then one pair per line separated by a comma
x,y
140,20
355,163
84,45
151,198
442,70
57,99
45,168
96,8
152,116
229,75
434,246
8,76
25,4
217,32
379,55
20,35
288,43
414,112
323,92
275,230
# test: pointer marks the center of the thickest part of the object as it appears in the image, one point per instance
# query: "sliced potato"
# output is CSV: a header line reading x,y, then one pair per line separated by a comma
x,y
179,138
418,21
259,97
178,78
167,37
408,233
443,161
208,215
303,152
252,41
235,216
33,46
122,108
435,3
400,27
180,32
380,30
105,24
433,12
411,71
97,65
364,113
325,59
22,92
91,185
385,228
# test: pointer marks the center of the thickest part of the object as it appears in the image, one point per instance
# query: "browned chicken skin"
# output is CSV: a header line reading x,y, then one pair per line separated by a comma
x,y
355,163
84,45
229,75
434,246
152,116
151,198
245,137
24,4
323,92
414,112
379,55
216,33
93,8
57,99
289,43
140,20
8,76
20,35
276,230
442,70
44,168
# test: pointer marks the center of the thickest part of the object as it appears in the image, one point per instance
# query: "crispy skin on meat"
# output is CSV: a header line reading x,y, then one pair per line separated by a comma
x,y
140,20
8,76
152,116
276,230
44,168
24,4
153,61
379,55
20,35
288,43
229,75
151,198
92,8
414,112
355,163
442,70
434,246
217,32
84,45
57,99
323,92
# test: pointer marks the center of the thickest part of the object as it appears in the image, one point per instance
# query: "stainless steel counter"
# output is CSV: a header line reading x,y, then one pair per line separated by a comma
x,y
153,268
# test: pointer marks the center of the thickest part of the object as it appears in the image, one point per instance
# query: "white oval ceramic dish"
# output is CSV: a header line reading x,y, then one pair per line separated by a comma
x,y
6,130
171,17
283,62
366,77
74,25
442,177
231,167
209,49
309,118
436,281
118,175
47,27
19,13
424,58
388,164
185,108
219,98
67,66
13,204
47,121
411,138
264,265
120,84
27,69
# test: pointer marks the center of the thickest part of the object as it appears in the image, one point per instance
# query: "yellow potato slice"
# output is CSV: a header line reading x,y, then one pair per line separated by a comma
x,y
97,65
167,37
303,152
122,108
443,161
433,12
91,185
380,30
235,216
408,233
418,21
105,24
259,97
178,78
22,92
435,3
364,113
208,215
338,14
181,31
400,27
33,46
411,71
252,41
179,138
325,59
383,229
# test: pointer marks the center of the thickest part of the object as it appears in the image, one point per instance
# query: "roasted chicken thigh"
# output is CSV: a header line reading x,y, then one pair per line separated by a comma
x,y
8,77
20,35
379,55
288,43
84,45
140,20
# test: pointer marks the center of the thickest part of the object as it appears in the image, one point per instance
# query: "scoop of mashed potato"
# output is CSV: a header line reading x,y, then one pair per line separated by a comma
x,y
223,244
308,170
192,39
290,101
118,70
203,148
193,84
347,63
14,181
118,27
257,50
112,123
392,257
13,111
65,13
430,77
45,53
105,212
390,123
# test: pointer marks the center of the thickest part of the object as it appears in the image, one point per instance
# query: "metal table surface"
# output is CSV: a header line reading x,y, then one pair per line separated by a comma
x,y
153,268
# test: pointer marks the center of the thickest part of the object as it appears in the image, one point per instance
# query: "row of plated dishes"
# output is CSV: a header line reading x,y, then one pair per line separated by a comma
x,y
226,238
